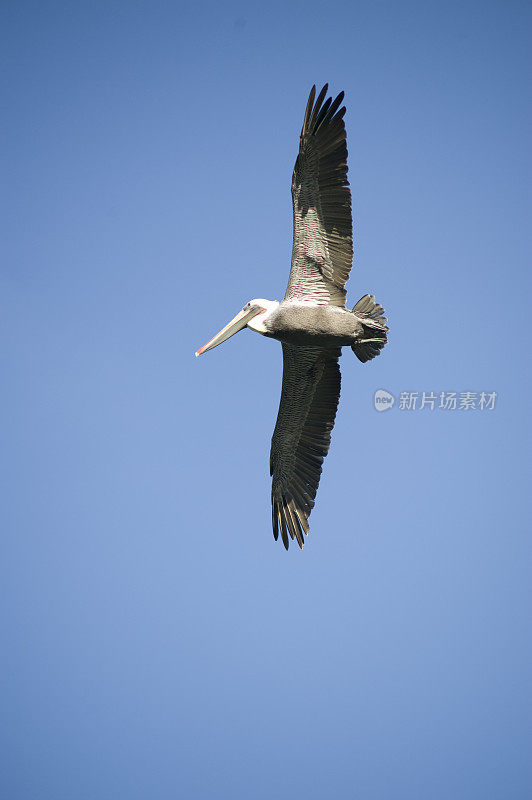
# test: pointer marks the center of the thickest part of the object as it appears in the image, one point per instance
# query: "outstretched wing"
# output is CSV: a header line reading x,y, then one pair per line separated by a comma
x,y
302,435
323,230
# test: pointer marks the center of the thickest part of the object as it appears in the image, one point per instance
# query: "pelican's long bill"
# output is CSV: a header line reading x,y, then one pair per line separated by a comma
x,y
236,324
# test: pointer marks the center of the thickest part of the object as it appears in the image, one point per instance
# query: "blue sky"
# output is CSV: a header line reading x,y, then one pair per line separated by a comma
x,y
156,641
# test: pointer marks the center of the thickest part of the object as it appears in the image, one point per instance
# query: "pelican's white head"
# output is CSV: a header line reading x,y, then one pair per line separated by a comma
x,y
253,315
266,307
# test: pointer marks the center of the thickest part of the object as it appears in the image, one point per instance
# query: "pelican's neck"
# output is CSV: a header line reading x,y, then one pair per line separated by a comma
x,y
258,323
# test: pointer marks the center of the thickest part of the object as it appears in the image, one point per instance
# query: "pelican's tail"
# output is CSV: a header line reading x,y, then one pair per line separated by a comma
x,y
371,315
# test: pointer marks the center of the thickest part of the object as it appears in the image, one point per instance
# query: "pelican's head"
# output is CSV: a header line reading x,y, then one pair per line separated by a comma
x,y
253,315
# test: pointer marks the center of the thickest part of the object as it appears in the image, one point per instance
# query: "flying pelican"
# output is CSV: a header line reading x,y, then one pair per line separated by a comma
x,y
312,322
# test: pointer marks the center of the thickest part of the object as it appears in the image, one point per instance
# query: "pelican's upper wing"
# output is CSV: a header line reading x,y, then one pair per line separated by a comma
x,y
309,399
323,228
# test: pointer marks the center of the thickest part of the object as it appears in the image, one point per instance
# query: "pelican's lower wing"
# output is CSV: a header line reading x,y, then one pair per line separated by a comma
x,y
302,435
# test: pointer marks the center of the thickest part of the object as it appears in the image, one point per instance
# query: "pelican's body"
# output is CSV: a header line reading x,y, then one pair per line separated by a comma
x,y
307,324
312,321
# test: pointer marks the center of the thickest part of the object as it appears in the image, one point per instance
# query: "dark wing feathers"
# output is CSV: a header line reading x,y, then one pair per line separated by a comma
x,y
302,436
323,242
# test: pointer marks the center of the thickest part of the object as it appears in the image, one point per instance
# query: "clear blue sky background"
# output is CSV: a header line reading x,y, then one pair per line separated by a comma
x,y
157,642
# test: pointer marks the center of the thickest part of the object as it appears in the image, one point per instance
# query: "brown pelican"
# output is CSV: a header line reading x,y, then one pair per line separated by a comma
x,y
312,321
